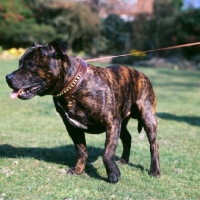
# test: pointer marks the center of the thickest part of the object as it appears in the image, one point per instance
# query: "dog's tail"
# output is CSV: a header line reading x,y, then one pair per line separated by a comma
x,y
140,125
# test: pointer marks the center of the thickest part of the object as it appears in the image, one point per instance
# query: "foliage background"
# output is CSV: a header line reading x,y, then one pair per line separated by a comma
x,y
23,22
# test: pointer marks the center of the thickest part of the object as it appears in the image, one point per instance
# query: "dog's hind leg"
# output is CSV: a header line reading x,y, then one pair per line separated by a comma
x,y
126,142
148,117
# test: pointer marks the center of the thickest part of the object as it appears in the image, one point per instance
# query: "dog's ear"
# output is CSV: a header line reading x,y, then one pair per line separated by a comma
x,y
54,45
34,44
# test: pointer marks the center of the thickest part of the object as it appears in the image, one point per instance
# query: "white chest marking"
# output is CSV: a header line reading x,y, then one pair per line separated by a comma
x,y
72,121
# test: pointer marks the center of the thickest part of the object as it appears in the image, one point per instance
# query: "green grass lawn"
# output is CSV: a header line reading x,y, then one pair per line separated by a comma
x,y
36,151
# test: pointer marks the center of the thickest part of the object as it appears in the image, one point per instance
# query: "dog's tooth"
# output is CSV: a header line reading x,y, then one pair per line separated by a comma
x,y
21,92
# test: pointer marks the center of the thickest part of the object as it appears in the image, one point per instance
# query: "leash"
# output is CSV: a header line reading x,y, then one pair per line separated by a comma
x,y
148,51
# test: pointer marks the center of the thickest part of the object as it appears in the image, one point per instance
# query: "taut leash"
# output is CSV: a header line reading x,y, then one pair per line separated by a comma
x,y
148,51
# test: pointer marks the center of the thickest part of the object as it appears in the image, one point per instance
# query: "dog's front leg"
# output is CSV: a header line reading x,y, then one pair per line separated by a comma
x,y
78,138
112,136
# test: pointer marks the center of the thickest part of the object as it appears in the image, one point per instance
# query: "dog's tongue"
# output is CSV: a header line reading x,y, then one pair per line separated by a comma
x,y
14,94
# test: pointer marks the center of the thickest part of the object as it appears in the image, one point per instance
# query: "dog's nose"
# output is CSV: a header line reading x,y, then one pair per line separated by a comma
x,y
9,77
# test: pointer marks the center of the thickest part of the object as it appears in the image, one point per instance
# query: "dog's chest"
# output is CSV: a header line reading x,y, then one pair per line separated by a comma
x,y
75,122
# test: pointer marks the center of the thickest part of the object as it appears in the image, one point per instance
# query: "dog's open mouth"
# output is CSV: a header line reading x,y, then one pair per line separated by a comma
x,y
25,93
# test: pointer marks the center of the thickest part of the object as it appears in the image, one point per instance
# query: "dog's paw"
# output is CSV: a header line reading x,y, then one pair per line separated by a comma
x,y
114,177
155,173
74,171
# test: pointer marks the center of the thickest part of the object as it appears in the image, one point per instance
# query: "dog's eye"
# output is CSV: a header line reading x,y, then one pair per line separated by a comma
x,y
30,64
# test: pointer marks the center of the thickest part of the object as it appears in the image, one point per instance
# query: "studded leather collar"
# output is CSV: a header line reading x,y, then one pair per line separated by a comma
x,y
76,79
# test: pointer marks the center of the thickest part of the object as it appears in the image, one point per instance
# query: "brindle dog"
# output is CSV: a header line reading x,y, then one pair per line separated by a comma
x,y
90,99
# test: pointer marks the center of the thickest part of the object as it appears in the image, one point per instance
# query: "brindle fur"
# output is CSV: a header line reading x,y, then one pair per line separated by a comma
x,y
104,101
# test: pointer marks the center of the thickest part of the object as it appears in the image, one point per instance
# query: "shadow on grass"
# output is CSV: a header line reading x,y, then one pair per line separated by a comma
x,y
194,121
64,155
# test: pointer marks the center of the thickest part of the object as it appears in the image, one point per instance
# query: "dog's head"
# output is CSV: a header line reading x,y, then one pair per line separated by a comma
x,y
41,71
